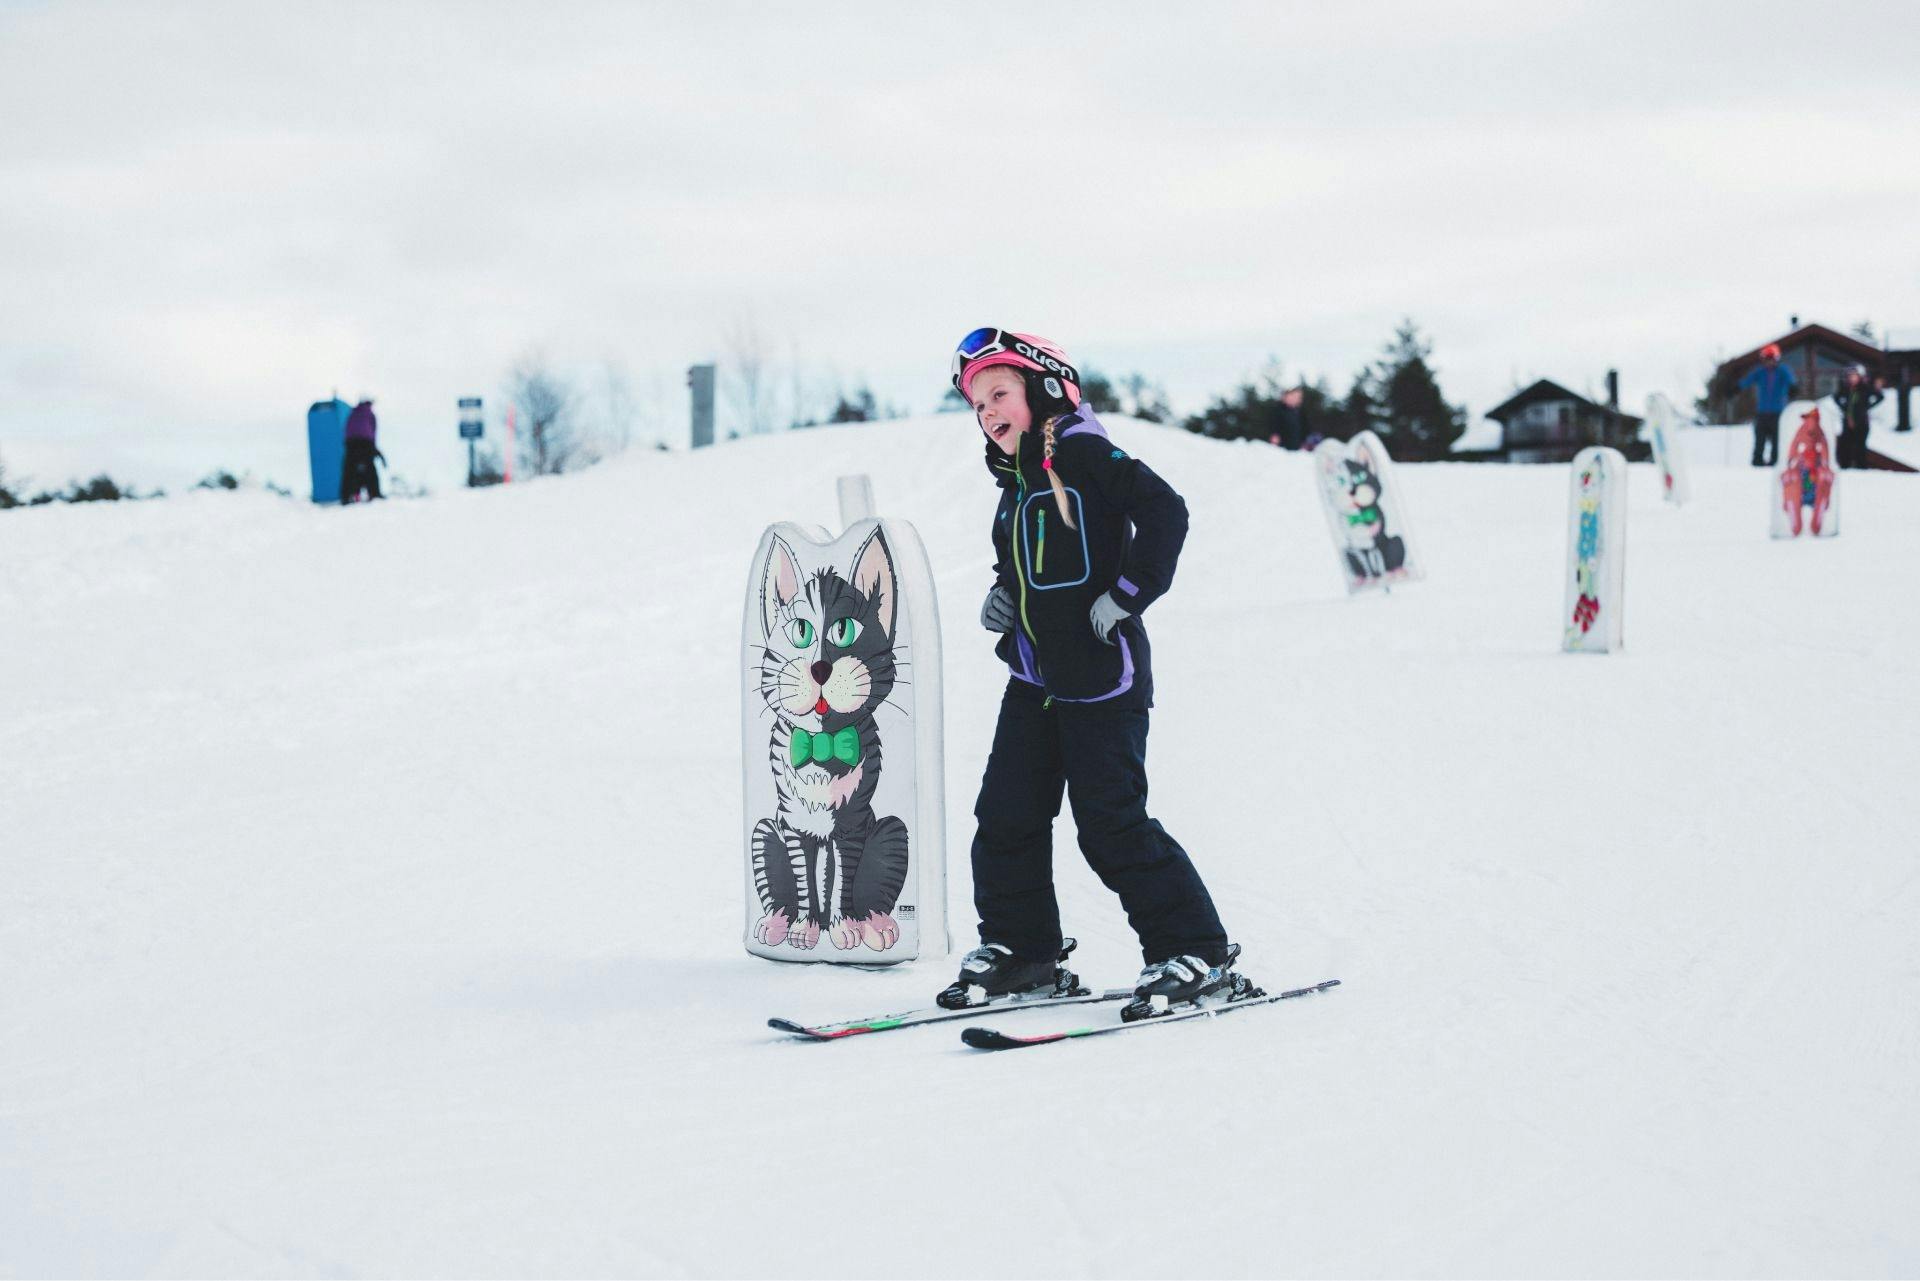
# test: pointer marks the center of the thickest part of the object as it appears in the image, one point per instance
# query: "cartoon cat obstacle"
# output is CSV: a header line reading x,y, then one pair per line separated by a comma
x,y
1365,513
844,807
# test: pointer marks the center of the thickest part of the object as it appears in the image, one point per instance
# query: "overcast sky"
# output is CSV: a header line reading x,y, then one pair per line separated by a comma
x,y
211,216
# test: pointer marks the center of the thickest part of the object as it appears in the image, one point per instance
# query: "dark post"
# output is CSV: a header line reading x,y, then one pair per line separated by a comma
x,y
700,381
471,426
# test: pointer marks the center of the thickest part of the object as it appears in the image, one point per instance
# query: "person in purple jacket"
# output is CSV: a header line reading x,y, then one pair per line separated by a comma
x,y
1772,384
358,474
1085,540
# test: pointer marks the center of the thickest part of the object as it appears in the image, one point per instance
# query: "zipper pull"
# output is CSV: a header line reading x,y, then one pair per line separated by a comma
x,y
1040,553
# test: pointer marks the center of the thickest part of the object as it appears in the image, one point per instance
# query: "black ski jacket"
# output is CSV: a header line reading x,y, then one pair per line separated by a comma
x,y
1130,528
1855,403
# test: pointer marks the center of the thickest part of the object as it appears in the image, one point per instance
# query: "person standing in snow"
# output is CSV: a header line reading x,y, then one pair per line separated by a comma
x,y
1772,384
1085,540
357,470
1856,396
1290,419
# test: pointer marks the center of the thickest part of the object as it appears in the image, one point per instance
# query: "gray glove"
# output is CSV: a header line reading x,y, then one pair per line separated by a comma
x,y
996,611
1105,616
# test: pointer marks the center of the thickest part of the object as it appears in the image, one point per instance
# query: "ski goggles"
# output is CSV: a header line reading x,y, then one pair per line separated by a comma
x,y
985,342
981,342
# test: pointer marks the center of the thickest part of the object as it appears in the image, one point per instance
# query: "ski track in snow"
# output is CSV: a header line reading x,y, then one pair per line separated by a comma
x,y
372,896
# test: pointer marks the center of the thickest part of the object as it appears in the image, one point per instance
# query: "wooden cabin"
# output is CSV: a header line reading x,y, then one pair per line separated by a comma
x,y
1820,358
1546,423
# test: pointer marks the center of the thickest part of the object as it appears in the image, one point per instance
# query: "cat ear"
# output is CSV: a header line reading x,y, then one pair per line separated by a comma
x,y
873,577
779,584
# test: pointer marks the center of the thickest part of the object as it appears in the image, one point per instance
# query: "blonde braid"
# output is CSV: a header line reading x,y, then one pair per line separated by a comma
x,y
1053,477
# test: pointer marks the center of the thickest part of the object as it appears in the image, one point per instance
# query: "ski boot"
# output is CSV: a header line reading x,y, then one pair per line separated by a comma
x,y
991,971
1183,981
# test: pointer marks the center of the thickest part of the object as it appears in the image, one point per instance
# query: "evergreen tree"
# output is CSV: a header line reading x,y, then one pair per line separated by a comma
x,y
1414,419
1252,412
1098,394
1246,415
1358,411
860,409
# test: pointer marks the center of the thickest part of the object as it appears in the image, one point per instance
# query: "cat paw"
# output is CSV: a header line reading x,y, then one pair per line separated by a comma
x,y
804,935
845,933
880,931
772,929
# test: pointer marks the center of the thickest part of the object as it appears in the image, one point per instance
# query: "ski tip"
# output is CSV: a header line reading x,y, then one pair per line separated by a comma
x,y
986,1038
788,1025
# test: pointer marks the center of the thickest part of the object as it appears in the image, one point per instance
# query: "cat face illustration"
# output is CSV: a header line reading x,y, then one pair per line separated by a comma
x,y
1362,485
827,656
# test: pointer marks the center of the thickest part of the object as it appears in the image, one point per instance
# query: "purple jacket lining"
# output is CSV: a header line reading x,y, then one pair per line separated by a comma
x,y
1126,679
1087,423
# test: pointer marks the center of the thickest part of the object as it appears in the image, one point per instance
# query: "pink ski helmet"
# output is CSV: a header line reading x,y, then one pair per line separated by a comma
x,y
984,348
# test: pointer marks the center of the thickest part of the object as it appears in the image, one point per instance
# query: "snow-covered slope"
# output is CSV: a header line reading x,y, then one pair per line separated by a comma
x,y
370,897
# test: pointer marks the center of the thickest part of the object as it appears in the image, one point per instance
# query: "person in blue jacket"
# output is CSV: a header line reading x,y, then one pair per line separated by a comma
x,y
1772,384
1086,539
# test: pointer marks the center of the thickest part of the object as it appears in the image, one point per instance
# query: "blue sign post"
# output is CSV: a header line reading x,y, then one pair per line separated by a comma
x,y
472,427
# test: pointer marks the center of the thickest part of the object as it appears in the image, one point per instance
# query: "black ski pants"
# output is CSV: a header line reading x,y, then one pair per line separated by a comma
x,y
357,472
1766,439
1852,447
1098,756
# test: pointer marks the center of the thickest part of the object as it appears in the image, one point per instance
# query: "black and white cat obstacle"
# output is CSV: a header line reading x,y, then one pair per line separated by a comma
x,y
845,814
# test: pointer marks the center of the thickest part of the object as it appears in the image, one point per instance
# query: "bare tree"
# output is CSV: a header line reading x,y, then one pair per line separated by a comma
x,y
549,443
1147,400
748,379
652,399
802,415
621,408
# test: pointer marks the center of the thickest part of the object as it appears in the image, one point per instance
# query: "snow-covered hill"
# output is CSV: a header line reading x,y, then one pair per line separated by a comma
x,y
370,897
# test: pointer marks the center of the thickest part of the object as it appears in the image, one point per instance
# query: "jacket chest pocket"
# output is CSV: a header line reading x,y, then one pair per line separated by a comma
x,y
1055,555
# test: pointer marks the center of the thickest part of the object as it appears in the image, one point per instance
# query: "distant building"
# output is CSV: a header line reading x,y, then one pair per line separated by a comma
x,y
1546,423
1819,358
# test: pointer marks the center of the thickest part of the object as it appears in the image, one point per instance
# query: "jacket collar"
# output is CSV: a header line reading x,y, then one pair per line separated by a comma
x,y
1080,422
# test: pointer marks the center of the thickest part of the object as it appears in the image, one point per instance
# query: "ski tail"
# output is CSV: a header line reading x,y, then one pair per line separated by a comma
x,y
938,1014
987,1038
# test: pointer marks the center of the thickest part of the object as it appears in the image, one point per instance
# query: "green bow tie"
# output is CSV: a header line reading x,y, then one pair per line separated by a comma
x,y
843,745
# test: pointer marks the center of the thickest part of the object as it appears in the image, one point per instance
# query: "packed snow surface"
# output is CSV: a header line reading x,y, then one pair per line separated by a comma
x,y
372,896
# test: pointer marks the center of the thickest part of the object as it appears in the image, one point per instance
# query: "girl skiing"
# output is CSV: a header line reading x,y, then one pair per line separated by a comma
x,y
1086,538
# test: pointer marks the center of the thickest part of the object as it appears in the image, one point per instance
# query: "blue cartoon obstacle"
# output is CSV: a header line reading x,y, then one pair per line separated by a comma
x,y
327,446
